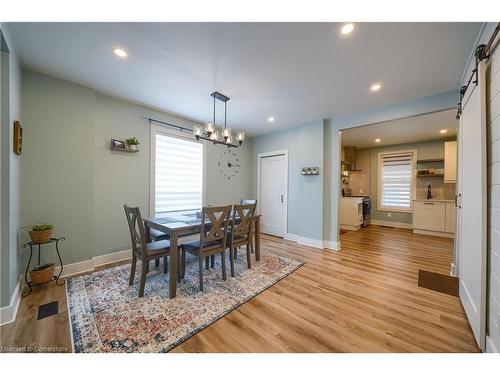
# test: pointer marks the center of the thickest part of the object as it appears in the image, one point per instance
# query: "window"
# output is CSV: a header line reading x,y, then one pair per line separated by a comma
x,y
396,180
177,173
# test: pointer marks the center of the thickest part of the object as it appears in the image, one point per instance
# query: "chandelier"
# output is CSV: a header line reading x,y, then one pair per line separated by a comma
x,y
210,132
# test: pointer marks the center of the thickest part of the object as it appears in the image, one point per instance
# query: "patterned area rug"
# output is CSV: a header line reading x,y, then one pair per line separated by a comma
x,y
106,314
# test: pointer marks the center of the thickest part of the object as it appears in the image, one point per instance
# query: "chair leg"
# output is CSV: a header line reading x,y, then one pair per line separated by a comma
x,y
132,270
178,267
212,261
231,260
200,270
223,263
249,265
147,266
183,256
251,244
207,264
235,253
165,264
157,262
144,271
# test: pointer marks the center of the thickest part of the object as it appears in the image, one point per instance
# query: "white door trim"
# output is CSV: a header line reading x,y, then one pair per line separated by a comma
x,y
260,156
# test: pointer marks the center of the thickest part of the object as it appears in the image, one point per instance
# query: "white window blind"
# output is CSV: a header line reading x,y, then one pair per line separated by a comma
x,y
396,172
178,174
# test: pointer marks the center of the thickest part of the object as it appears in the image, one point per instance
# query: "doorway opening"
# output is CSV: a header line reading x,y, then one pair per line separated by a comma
x,y
400,176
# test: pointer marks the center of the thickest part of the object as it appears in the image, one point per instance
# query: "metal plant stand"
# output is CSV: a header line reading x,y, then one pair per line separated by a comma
x,y
30,284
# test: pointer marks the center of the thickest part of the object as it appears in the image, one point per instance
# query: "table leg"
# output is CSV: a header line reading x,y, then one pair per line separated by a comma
x,y
257,238
174,254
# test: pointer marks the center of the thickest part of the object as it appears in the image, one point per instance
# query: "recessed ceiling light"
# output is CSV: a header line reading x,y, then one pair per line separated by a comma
x,y
120,52
347,28
443,131
270,119
376,87
377,140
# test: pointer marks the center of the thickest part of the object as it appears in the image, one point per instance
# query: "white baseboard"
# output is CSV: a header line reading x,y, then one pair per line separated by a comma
x,y
102,260
91,264
332,245
319,244
8,313
393,224
291,237
433,233
310,242
75,268
490,345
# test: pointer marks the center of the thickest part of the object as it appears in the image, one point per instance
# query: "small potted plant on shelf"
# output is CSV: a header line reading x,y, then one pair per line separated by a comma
x,y
132,143
41,233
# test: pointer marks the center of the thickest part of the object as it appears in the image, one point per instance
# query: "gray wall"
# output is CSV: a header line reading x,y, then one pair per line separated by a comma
x,y
493,136
305,194
72,179
10,168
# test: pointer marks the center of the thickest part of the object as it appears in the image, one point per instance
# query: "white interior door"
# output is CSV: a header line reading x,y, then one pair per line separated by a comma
x,y
472,205
273,187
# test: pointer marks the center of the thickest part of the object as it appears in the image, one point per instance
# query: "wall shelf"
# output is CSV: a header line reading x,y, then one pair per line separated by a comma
x,y
440,160
431,175
122,149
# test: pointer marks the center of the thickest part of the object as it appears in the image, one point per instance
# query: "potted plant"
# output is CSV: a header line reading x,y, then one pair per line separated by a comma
x,y
42,274
132,143
41,233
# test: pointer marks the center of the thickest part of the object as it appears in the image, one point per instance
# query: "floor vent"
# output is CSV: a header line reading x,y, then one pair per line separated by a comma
x,y
48,309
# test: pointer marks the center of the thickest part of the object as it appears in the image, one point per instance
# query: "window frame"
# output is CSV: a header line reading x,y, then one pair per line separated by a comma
x,y
413,180
163,130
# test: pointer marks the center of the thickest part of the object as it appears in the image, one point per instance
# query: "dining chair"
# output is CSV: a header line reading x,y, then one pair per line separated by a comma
x,y
249,201
142,249
157,235
213,234
240,232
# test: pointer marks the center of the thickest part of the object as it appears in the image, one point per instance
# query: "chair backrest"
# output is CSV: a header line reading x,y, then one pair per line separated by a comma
x,y
136,227
241,222
248,201
216,229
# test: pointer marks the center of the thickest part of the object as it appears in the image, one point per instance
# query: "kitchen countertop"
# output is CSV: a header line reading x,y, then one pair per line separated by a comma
x,y
434,200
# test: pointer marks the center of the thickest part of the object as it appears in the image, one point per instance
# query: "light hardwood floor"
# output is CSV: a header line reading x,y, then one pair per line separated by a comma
x,y
363,298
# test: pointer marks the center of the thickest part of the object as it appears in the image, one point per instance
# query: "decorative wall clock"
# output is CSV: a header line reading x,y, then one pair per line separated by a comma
x,y
229,164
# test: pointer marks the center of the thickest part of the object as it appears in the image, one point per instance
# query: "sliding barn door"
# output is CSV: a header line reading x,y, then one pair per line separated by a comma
x,y
472,204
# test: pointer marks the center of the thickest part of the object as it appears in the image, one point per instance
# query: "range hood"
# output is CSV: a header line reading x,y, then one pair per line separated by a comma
x,y
349,162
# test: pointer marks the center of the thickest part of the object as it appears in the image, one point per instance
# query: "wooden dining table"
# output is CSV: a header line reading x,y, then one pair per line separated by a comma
x,y
185,223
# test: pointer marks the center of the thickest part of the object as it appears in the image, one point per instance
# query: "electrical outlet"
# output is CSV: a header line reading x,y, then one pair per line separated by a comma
x,y
389,214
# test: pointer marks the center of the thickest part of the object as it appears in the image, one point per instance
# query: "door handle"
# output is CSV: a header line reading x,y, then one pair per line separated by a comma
x,y
281,198
459,195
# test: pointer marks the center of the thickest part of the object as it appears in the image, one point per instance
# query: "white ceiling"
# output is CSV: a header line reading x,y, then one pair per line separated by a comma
x,y
296,72
413,129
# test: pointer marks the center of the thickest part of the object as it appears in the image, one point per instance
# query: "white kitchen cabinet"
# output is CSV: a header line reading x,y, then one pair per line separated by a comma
x,y
429,216
450,162
450,218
